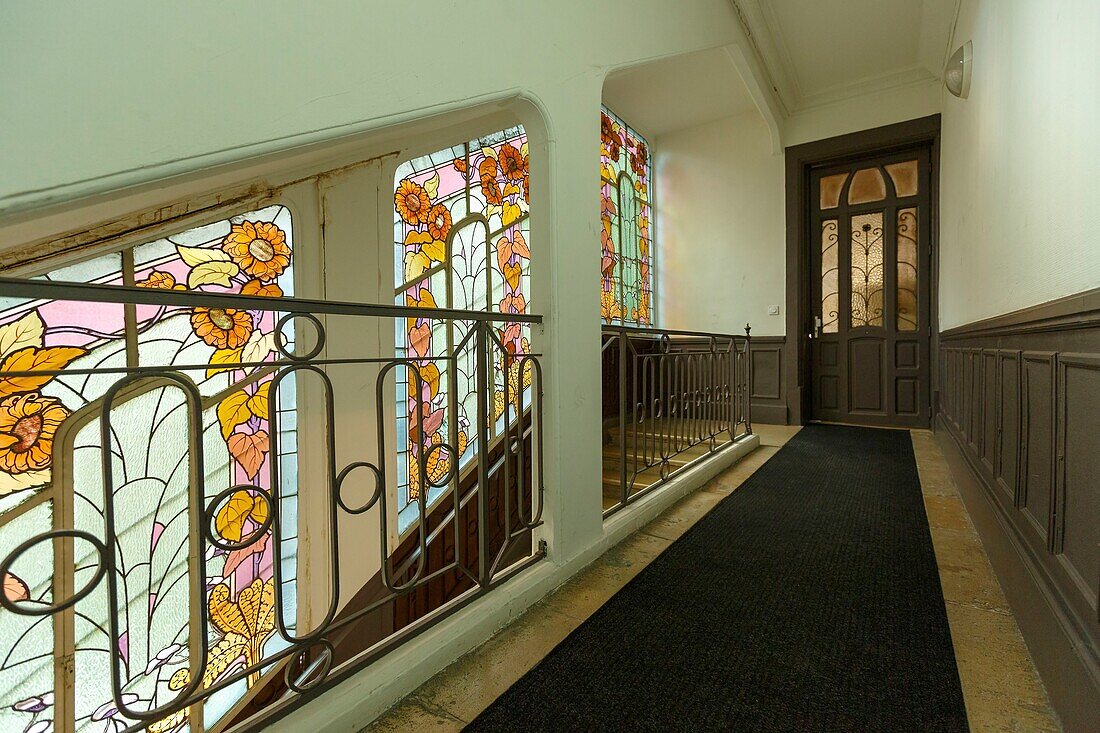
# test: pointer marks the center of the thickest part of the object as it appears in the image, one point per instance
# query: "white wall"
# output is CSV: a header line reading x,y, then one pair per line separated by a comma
x,y
720,227
1020,162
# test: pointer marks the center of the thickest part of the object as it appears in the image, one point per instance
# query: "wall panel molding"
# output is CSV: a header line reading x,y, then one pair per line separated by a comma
x,y
768,391
1020,402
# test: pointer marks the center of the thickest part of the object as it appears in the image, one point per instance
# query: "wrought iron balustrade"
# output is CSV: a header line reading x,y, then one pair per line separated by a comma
x,y
296,511
671,398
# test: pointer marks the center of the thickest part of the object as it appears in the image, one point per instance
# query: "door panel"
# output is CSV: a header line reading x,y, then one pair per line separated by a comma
x,y
870,285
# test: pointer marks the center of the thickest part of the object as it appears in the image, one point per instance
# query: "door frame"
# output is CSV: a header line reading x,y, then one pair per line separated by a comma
x,y
799,160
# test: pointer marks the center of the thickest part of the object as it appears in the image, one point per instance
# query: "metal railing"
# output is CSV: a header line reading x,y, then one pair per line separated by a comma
x,y
671,399
474,523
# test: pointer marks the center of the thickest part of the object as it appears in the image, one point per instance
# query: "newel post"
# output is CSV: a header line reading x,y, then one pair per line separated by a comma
x,y
748,378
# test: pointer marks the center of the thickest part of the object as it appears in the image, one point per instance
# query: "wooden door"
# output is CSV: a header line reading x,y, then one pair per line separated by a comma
x,y
870,283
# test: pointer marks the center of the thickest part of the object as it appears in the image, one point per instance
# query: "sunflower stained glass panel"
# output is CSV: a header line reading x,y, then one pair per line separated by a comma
x,y
150,467
626,174
462,240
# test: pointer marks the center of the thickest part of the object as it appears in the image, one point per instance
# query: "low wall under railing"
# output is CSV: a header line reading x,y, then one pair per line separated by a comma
x,y
671,399
212,535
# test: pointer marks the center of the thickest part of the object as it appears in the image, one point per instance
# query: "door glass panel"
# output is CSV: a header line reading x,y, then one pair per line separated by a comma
x,y
867,269
830,190
867,185
830,280
904,176
907,270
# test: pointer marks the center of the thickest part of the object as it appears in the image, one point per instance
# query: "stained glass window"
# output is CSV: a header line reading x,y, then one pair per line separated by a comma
x,y
907,270
462,240
626,175
830,276
51,477
867,270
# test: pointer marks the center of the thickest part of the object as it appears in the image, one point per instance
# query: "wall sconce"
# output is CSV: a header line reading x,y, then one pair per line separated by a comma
x,y
959,69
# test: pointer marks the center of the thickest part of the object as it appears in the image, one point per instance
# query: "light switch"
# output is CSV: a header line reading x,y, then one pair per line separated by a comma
x,y
773,310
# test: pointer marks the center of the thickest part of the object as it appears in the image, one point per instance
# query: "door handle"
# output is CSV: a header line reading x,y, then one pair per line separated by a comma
x,y
817,328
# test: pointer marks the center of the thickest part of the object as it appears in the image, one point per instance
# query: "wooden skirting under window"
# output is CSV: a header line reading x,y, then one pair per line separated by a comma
x,y
1019,417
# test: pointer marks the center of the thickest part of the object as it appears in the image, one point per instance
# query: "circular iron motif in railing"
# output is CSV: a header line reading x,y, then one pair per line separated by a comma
x,y
20,607
227,514
375,495
281,339
301,675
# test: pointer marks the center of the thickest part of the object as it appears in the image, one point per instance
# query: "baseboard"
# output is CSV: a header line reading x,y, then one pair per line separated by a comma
x,y
769,414
1060,652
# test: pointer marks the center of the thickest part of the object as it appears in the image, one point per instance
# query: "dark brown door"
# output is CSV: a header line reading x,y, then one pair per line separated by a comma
x,y
870,285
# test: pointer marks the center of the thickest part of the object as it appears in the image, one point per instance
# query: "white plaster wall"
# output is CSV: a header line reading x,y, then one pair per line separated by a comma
x,y
94,89
1020,161
721,227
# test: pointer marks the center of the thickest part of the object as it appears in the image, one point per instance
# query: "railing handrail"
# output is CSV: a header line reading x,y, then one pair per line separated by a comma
x,y
657,332
125,294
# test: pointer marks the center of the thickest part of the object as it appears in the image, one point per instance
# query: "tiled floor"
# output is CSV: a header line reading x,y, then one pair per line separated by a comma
x,y
1002,690
1000,685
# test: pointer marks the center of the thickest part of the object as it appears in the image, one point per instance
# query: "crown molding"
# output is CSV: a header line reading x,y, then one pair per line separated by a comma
x,y
765,33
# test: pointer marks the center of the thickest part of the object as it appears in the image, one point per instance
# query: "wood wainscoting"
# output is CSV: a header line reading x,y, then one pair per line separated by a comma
x,y
768,391
1019,417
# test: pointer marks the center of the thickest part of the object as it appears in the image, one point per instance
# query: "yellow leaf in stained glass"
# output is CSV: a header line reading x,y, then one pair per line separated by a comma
x,y
489,153
511,213
430,374
224,613
32,359
224,653
212,273
223,356
431,186
27,331
231,518
415,265
195,256
232,411
523,149
257,403
259,510
436,250
511,189
255,602
511,275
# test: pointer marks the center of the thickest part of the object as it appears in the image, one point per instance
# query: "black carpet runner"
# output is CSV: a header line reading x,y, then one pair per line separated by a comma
x,y
807,600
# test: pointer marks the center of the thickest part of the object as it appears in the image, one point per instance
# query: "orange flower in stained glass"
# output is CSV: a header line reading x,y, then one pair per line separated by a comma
x,y
259,248
511,162
255,287
28,423
412,202
160,280
491,189
439,222
460,165
487,168
222,328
